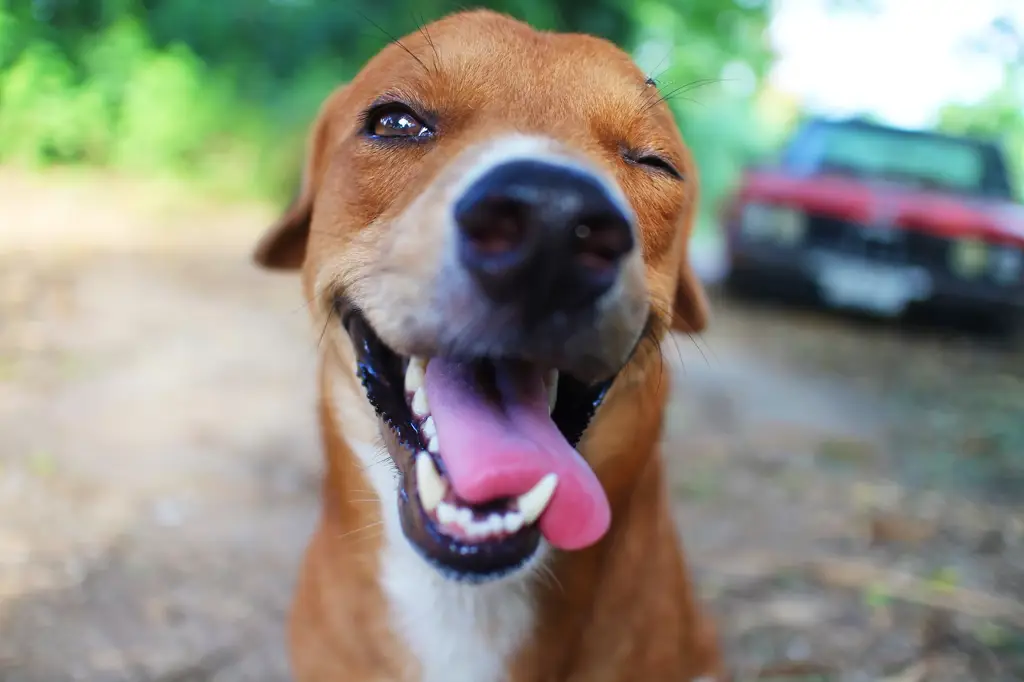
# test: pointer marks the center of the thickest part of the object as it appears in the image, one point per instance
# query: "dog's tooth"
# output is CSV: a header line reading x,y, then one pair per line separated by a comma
x,y
533,503
446,513
495,524
512,522
483,528
433,445
415,373
552,384
464,517
419,403
429,428
432,487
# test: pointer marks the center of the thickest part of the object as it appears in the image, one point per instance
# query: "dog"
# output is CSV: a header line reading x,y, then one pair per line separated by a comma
x,y
492,235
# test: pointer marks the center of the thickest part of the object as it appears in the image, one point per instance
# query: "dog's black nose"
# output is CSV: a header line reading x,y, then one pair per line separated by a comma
x,y
543,236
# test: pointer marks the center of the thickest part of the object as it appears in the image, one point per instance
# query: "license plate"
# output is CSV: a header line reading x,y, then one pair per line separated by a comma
x,y
880,289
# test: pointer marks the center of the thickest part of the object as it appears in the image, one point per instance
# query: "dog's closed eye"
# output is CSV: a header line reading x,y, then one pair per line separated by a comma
x,y
654,162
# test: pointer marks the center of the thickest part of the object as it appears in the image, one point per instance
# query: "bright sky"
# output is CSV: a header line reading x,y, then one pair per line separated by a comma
x,y
901,64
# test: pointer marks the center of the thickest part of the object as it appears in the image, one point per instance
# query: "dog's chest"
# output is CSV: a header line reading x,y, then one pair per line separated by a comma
x,y
457,633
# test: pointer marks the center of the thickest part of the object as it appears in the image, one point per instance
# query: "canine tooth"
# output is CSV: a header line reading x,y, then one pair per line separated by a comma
x,y
429,427
419,403
446,513
512,522
552,384
533,502
431,486
464,517
495,524
415,373
433,445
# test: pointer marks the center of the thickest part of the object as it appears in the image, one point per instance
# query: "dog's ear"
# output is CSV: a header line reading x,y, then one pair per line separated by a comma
x,y
690,310
283,246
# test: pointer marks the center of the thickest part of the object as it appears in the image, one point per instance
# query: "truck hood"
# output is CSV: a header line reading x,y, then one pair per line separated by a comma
x,y
875,202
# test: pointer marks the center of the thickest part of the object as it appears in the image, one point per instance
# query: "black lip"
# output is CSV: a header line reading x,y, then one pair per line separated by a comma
x,y
466,562
382,374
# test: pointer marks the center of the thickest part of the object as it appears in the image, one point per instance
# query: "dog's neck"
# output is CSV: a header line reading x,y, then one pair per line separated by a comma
x,y
568,617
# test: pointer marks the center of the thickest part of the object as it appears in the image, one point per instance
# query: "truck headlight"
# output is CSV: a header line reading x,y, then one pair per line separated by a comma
x,y
1006,264
773,223
968,257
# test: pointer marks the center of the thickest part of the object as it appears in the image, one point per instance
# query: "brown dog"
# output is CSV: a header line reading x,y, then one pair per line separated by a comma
x,y
492,231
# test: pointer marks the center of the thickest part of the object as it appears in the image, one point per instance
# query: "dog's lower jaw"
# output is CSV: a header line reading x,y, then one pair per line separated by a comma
x,y
457,632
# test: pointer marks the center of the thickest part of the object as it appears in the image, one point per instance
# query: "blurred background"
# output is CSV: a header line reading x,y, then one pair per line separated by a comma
x,y
846,441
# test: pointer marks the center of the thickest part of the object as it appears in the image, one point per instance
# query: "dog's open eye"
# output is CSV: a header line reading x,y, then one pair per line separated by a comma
x,y
396,121
657,163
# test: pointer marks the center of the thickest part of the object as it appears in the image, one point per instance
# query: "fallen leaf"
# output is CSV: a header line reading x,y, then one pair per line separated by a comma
x,y
944,580
42,464
896,529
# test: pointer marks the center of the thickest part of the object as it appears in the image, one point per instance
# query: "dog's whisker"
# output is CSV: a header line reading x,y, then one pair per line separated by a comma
x,y
547,574
361,529
323,332
376,463
681,90
355,541
679,351
395,41
422,28
694,339
652,75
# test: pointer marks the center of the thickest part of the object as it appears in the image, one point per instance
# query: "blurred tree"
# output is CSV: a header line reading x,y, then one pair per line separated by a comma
x,y
1000,115
228,86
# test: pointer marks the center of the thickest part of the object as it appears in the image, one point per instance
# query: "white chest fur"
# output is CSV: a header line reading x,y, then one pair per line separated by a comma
x,y
456,632
459,633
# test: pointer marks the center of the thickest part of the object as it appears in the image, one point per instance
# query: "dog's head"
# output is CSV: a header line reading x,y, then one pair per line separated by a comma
x,y
495,217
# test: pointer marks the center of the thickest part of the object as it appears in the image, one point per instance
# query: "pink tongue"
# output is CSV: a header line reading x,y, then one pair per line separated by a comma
x,y
493,450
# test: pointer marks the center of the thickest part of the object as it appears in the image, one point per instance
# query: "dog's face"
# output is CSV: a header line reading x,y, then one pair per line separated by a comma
x,y
493,218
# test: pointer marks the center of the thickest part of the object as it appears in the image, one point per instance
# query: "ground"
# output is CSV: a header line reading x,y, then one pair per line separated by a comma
x,y
851,495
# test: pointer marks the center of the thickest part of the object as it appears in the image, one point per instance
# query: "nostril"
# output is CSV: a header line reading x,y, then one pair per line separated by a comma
x,y
602,241
494,227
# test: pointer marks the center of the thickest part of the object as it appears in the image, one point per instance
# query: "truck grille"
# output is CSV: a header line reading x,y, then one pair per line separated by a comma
x,y
881,244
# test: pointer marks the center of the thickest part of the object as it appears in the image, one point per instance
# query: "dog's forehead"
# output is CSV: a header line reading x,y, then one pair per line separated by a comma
x,y
484,58
519,48
489,37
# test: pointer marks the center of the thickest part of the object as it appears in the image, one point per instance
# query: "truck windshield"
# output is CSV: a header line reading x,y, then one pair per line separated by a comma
x,y
927,161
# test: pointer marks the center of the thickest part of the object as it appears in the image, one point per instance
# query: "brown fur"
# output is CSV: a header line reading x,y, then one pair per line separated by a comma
x,y
623,609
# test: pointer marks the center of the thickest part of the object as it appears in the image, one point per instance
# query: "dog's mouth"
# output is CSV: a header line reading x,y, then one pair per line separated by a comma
x,y
485,448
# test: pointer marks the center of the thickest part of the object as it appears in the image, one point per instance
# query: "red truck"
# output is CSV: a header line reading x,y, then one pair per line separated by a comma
x,y
881,219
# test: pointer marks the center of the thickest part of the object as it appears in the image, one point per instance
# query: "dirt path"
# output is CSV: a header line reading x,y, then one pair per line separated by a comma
x,y
844,490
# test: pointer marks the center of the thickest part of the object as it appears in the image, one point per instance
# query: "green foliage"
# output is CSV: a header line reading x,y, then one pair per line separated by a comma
x,y
998,116
222,92
724,136
708,61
